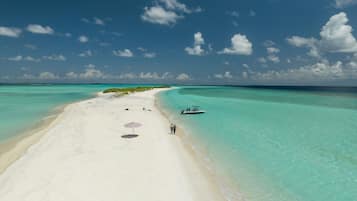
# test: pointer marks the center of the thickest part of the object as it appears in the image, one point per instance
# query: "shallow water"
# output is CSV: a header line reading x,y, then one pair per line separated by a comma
x,y
23,106
276,143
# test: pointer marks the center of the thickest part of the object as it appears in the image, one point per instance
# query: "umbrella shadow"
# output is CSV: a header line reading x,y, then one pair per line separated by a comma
x,y
130,136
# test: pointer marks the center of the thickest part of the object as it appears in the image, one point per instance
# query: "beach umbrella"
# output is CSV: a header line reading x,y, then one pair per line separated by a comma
x,y
133,125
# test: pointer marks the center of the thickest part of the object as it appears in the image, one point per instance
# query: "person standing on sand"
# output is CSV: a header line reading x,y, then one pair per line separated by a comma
x,y
171,128
174,128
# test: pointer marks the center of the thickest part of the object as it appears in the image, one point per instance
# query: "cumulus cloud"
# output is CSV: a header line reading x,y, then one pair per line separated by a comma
x,y
245,75
183,77
158,15
91,73
87,53
47,76
175,5
320,71
123,53
39,29
233,13
71,75
83,39
240,46
310,43
262,60
98,21
273,50
344,3
166,12
95,20
197,46
146,76
149,55
55,57
336,36
273,58
24,58
226,74
10,32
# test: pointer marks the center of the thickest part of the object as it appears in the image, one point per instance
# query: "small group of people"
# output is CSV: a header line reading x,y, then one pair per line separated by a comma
x,y
173,128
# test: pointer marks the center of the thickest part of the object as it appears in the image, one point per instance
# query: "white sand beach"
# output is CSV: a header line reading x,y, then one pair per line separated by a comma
x,y
83,157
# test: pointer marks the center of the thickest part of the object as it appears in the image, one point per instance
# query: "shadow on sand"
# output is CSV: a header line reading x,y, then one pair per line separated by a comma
x,y
129,136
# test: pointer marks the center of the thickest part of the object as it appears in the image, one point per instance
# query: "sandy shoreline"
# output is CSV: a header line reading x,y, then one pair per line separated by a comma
x,y
82,156
14,148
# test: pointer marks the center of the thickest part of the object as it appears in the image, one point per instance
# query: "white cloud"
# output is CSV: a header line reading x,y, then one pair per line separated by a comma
x,y
226,74
149,55
320,71
55,57
344,3
175,5
245,75
87,53
127,76
91,73
95,20
273,58
269,43
123,53
16,58
85,20
158,15
240,46
273,50
146,75
183,77
233,13
196,49
27,76
311,43
71,75
246,66
47,76
262,60
68,35
10,32
336,36
166,12
98,21
39,29
83,39
149,75
24,58
252,13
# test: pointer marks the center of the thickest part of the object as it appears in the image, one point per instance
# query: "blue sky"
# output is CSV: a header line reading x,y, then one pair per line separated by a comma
x,y
184,41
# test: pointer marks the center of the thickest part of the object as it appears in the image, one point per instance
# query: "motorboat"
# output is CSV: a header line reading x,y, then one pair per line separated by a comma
x,y
193,110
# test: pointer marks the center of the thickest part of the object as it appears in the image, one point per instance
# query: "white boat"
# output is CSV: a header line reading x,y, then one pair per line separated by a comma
x,y
193,110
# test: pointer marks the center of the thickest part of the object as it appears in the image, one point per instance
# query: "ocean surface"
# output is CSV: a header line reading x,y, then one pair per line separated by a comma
x,y
25,106
274,143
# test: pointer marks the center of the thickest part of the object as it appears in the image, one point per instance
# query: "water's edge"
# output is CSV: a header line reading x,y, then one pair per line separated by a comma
x,y
226,185
13,148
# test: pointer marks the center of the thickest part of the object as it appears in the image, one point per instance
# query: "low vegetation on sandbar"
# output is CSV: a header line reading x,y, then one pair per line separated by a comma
x,y
132,89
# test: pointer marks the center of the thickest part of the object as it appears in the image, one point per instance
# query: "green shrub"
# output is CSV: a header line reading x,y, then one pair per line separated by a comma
x,y
132,89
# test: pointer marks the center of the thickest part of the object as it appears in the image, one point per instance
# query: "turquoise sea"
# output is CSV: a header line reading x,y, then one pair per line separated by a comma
x,y
24,106
274,144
